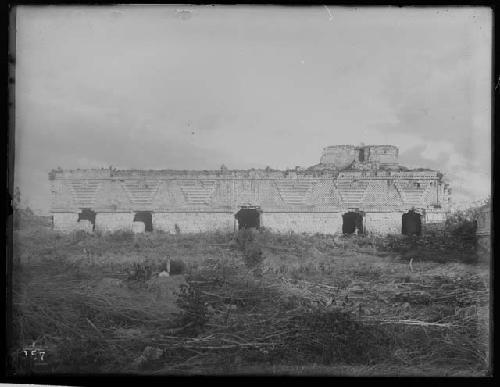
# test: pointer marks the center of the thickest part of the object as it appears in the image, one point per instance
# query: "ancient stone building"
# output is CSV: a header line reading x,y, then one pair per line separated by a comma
x,y
352,190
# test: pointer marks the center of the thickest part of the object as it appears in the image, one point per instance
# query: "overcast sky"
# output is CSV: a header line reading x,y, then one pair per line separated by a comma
x,y
177,87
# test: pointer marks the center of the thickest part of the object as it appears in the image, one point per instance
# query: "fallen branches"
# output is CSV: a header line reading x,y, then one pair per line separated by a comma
x,y
414,322
354,313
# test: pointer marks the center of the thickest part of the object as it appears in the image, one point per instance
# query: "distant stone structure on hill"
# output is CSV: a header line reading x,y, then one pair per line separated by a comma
x,y
352,190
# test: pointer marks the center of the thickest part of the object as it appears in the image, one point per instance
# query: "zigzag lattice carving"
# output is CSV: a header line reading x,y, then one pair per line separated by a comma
x,y
84,192
141,191
294,191
411,194
198,192
352,192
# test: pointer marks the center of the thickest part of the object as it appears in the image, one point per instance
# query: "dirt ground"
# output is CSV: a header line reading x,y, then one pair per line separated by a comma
x,y
249,305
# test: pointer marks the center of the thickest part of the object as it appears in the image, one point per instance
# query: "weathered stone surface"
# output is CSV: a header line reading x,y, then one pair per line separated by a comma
x,y
65,222
138,227
114,221
383,222
84,225
193,222
324,223
302,200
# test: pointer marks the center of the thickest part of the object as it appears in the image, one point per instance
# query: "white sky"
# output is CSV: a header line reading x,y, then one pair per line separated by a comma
x,y
182,87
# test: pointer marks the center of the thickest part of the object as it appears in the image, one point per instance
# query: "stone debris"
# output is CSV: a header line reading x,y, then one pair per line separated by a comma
x,y
138,227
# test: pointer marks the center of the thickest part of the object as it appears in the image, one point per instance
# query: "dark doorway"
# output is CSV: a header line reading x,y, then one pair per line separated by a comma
x,y
361,155
248,218
352,221
87,214
145,217
412,223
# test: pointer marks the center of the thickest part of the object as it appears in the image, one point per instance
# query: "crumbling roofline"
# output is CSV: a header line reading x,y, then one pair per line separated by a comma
x,y
254,178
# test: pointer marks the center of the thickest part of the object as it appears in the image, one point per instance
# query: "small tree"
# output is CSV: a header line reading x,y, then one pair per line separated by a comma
x,y
463,223
16,202
16,206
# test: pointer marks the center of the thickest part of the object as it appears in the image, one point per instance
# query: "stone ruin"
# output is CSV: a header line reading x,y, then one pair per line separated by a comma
x,y
352,190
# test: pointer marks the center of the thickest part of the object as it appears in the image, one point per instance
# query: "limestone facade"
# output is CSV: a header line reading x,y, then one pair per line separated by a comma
x,y
310,200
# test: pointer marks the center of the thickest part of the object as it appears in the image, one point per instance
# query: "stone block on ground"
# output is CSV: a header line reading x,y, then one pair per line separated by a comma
x,y
138,227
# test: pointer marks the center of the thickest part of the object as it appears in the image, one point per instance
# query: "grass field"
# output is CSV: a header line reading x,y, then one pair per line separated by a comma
x,y
258,303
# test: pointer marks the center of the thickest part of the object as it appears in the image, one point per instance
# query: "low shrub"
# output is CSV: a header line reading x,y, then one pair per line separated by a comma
x,y
194,314
80,235
244,236
177,266
120,236
253,255
330,337
437,246
229,312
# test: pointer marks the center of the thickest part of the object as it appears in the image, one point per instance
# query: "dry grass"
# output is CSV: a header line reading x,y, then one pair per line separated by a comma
x,y
278,302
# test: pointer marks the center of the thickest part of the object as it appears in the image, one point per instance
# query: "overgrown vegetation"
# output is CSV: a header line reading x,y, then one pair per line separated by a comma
x,y
456,242
255,301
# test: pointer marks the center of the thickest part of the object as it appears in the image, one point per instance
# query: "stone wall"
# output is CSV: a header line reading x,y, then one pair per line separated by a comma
x,y
341,156
330,223
193,222
118,221
65,222
85,225
111,196
138,227
384,222
434,217
290,200
383,154
61,196
323,223
368,192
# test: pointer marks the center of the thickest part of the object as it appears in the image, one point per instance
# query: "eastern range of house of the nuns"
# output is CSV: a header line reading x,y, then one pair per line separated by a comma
x,y
354,189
